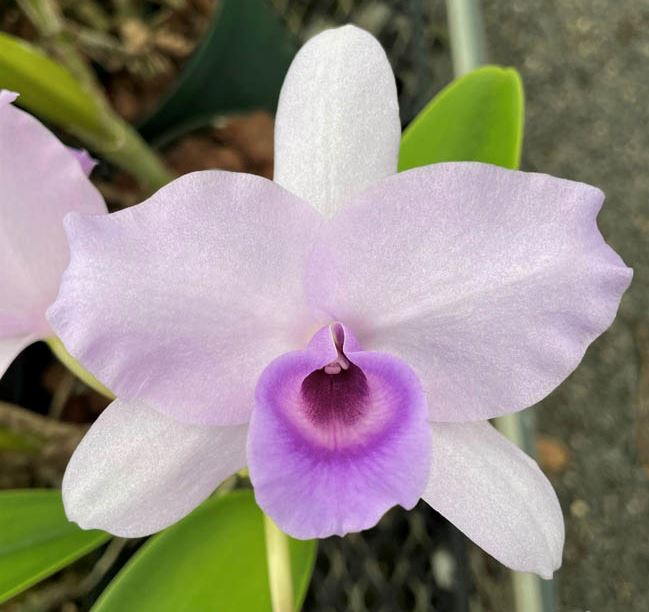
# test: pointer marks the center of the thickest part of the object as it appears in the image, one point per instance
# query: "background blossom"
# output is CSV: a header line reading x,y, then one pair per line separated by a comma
x,y
41,180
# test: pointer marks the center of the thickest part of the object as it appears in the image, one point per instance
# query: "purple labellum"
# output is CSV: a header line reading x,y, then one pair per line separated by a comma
x,y
85,160
348,425
335,396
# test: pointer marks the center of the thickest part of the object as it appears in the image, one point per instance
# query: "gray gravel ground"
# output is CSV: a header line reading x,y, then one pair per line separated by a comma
x,y
585,64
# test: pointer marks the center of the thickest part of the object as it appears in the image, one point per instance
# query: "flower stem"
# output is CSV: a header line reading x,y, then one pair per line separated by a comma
x,y
118,141
56,346
466,31
131,153
279,567
46,17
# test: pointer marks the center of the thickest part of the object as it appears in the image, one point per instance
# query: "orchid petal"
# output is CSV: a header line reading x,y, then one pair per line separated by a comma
x,y
337,129
492,491
137,471
40,182
85,160
330,453
7,97
490,283
182,301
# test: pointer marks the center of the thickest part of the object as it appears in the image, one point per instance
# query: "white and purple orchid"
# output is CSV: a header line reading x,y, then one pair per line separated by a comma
x,y
41,180
344,331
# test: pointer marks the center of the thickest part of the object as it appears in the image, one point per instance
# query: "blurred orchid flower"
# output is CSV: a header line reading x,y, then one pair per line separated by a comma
x,y
41,180
345,331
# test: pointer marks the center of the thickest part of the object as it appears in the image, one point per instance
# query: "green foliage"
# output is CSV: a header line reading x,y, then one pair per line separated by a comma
x,y
478,117
214,559
36,539
49,90
240,65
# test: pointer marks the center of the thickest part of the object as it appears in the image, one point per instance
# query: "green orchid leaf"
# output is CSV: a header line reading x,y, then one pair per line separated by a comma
x,y
36,539
49,90
478,117
239,66
214,559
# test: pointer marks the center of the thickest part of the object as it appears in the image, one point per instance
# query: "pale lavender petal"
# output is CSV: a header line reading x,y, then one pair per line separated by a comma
x,y
331,453
10,348
182,301
487,487
7,97
138,471
489,283
40,182
337,128
86,162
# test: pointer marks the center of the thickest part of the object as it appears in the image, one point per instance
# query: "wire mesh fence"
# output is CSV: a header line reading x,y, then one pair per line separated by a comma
x,y
412,561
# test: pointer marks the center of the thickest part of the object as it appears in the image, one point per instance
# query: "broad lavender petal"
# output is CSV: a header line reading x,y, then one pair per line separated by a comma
x,y
490,283
331,453
337,129
492,491
40,182
138,471
86,161
182,301
7,97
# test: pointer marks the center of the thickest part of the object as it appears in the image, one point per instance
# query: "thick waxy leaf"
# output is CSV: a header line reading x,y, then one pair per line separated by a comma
x,y
478,117
239,65
214,559
47,89
36,539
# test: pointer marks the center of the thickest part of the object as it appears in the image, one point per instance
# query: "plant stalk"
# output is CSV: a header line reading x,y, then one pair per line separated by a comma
x,y
279,567
132,153
466,31
123,145
46,17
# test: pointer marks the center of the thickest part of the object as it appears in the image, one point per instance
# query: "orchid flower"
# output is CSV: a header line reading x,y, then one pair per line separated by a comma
x,y
41,180
344,331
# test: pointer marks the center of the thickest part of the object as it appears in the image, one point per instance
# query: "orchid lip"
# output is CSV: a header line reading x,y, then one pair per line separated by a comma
x,y
335,400
334,429
336,395
329,398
